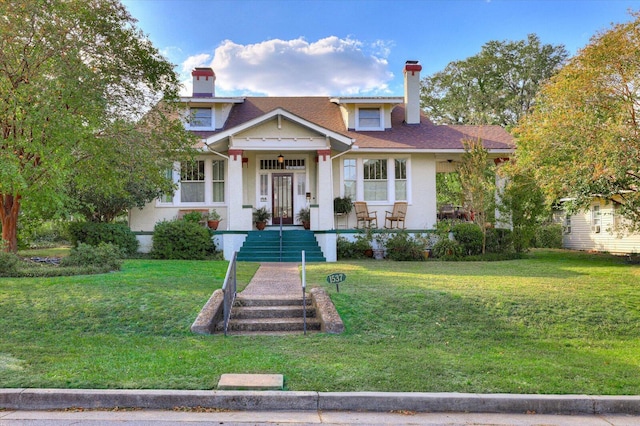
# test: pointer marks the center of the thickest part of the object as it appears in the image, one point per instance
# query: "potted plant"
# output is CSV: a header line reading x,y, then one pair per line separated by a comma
x,y
260,217
304,216
342,205
213,219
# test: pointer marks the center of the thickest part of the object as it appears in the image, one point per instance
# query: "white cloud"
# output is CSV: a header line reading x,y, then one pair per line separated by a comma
x,y
329,66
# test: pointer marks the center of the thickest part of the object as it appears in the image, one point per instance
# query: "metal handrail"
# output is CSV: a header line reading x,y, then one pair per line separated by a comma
x,y
229,291
280,235
304,295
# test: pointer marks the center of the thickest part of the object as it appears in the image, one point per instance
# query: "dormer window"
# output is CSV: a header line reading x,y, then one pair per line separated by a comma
x,y
201,118
369,119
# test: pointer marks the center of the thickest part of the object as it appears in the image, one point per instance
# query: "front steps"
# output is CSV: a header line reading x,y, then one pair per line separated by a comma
x,y
270,316
264,246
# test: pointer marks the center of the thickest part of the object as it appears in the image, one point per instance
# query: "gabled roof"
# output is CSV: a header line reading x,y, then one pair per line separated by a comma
x,y
425,136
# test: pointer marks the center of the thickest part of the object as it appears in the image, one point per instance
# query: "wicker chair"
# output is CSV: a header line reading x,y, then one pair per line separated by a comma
x,y
363,216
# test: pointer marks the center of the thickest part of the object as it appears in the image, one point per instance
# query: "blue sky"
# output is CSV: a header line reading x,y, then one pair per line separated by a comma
x,y
352,47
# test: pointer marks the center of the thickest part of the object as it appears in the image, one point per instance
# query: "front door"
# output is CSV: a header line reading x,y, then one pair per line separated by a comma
x,y
282,184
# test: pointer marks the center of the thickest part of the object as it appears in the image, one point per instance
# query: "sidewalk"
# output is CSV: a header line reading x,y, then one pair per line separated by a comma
x,y
275,280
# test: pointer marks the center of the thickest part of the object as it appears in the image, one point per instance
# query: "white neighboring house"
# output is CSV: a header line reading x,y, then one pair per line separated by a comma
x,y
288,153
598,229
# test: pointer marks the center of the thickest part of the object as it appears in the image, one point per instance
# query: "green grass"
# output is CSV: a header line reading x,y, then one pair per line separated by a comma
x,y
555,322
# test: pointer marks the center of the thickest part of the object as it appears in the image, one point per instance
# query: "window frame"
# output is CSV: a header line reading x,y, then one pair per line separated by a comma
x,y
360,127
194,123
187,176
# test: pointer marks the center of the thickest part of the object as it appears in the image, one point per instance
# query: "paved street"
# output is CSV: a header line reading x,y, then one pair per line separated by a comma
x,y
294,418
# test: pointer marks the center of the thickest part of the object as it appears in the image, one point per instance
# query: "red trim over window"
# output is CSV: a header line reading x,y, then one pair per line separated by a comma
x,y
324,153
235,153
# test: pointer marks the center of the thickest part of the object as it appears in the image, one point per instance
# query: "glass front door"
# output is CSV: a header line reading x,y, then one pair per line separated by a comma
x,y
282,203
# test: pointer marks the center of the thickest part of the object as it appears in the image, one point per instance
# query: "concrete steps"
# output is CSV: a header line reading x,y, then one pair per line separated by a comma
x,y
271,316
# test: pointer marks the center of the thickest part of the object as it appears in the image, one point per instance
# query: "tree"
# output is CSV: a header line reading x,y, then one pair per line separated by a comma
x,y
477,177
582,139
75,78
496,86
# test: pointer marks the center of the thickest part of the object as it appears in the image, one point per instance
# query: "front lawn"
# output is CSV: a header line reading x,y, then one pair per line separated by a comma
x,y
555,322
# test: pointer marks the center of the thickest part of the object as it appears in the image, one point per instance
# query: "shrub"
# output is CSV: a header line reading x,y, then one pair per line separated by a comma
x,y
469,236
105,256
403,247
499,240
195,217
8,263
548,236
353,249
181,239
447,249
94,233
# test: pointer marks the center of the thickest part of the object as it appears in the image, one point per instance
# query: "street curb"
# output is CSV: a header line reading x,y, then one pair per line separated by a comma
x,y
60,399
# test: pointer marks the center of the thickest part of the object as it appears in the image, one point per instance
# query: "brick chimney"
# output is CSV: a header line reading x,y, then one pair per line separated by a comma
x,y
412,92
204,83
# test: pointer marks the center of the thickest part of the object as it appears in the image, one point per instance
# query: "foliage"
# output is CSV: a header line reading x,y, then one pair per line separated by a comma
x,y
213,215
548,236
94,233
181,239
104,255
447,249
522,205
304,215
261,215
77,83
8,263
477,176
193,217
582,138
500,240
354,249
469,236
403,247
342,205
496,86
43,234
449,189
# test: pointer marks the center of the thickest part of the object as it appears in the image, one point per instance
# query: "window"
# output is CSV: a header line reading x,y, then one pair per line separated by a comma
x,y
201,117
349,177
192,182
375,180
596,215
168,198
218,180
369,119
401,179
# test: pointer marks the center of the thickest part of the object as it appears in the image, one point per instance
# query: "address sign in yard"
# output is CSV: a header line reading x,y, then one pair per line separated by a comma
x,y
336,279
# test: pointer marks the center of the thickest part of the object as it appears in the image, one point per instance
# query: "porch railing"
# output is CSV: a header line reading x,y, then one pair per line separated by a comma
x,y
229,290
304,294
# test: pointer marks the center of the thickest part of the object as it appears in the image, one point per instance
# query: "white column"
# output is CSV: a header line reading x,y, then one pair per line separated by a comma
x,y
234,176
325,190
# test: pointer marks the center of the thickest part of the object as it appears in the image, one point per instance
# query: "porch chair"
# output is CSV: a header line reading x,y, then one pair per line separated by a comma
x,y
397,215
363,215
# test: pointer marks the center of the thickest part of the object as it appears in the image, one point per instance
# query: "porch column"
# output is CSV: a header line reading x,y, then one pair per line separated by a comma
x,y
325,190
234,215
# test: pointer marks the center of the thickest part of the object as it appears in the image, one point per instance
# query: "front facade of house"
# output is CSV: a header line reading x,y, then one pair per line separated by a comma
x,y
289,153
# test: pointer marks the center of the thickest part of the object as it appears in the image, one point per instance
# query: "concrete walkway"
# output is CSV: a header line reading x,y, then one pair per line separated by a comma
x,y
275,280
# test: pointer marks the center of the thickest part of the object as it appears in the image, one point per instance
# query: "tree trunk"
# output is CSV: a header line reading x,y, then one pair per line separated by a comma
x,y
9,217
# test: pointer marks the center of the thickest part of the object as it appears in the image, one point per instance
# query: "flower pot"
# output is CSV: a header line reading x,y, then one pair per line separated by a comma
x,y
261,225
378,254
368,252
427,253
306,225
213,224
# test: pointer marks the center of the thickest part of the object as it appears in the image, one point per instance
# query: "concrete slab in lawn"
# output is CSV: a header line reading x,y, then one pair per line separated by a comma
x,y
251,382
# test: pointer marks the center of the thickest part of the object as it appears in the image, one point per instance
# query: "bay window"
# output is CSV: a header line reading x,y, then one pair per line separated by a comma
x,y
192,181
